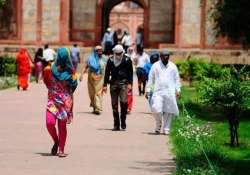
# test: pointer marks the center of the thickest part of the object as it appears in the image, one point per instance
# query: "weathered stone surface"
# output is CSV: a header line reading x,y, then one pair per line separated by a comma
x,y
161,37
210,32
29,20
83,14
50,20
162,19
190,27
83,36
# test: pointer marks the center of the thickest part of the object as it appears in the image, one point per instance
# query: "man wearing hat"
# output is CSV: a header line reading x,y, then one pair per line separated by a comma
x,y
119,74
164,76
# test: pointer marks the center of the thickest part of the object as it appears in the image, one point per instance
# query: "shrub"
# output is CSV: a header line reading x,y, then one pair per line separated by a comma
x,y
231,93
195,70
7,66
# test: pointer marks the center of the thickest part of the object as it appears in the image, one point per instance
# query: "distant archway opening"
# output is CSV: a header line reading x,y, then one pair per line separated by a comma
x,y
104,12
126,16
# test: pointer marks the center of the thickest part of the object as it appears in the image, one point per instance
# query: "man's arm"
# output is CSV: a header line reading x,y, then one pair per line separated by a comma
x,y
130,74
130,71
84,70
107,74
151,81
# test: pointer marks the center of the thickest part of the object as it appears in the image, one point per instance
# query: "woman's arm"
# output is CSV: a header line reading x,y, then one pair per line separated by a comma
x,y
84,70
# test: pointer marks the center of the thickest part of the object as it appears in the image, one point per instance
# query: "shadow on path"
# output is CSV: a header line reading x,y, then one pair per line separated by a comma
x,y
164,167
45,154
152,133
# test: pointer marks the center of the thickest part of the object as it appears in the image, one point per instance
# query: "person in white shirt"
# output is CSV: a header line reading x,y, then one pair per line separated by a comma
x,y
140,60
164,76
48,53
108,41
126,41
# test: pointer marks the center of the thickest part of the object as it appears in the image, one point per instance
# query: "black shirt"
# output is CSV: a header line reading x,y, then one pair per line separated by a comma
x,y
121,73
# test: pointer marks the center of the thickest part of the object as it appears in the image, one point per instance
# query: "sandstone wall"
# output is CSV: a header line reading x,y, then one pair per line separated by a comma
x,y
29,20
83,18
210,33
161,21
190,26
50,20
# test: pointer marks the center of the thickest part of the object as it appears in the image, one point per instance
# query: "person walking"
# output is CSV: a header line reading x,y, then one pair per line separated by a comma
x,y
164,76
39,65
95,65
23,62
120,69
75,55
131,55
126,41
48,53
61,81
140,60
139,38
108,41
154,57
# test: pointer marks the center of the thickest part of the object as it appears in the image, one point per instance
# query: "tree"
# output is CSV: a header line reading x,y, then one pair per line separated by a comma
x,y
232,19
2,2
231,94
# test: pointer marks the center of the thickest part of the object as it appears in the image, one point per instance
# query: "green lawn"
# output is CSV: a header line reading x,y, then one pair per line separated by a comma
x,y
7,82
10,81
224,159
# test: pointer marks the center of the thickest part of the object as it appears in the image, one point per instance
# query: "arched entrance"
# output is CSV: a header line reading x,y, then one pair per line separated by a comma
x,y
161,20
104,8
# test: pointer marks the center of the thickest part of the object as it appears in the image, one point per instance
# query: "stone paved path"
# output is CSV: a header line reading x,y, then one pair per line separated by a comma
x,y
92,147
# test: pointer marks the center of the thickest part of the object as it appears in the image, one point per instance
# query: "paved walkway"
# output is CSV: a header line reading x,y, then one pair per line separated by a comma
x,y
92,147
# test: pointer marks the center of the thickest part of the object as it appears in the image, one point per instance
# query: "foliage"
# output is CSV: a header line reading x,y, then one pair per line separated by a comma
x,y
195,69
232,19
7,82
7,66
194,146
189,156
2,2
232,93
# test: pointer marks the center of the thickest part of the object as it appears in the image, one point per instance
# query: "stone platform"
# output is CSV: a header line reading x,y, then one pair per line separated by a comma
x,y
226,56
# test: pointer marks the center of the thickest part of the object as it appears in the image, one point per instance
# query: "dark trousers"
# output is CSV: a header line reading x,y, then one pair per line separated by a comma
x,y
119,93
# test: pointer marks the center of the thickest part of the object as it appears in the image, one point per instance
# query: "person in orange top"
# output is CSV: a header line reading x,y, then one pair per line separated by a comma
x,y
23,69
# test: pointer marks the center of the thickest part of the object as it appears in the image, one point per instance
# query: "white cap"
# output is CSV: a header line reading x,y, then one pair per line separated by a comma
x,y
109,29
118,49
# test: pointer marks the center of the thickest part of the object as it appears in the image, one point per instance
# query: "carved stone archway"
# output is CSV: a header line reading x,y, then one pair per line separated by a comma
x,y
102,16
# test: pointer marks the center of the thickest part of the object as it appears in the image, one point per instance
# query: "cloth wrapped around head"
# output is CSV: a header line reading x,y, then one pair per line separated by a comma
x,y
63,69
93,61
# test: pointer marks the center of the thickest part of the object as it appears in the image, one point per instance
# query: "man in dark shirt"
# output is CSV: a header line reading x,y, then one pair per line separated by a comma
x,y
119,74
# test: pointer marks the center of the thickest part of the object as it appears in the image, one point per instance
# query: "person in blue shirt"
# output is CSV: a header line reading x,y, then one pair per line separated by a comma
x,y
154,57
75,55
108,42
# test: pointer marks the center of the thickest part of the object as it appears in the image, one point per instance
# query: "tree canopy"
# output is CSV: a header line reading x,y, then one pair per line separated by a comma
x,y
2,2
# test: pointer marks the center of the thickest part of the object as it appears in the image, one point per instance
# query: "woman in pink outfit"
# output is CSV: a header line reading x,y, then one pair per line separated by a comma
x,y
61,81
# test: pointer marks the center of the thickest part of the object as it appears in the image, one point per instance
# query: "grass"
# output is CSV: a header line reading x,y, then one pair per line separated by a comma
x,y
225,159
10,81
7,82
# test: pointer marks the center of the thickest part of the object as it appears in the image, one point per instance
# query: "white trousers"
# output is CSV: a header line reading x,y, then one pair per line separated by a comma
x,y
167,120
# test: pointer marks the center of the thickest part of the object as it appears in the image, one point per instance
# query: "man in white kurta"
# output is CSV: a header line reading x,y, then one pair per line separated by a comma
x,y
164,77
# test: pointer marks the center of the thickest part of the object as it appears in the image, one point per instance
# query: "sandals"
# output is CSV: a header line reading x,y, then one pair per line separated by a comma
x,y
54,149
62,155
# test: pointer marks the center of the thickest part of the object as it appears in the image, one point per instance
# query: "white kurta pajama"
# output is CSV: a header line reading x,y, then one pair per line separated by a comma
x,y
166,82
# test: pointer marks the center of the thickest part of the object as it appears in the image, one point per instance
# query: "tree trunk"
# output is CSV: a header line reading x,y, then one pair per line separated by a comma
x,y
234,125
